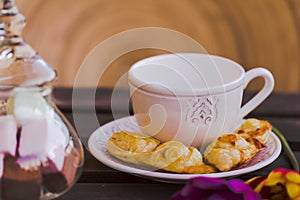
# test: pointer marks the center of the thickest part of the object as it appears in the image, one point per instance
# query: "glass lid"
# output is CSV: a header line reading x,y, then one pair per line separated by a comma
x,y
20,66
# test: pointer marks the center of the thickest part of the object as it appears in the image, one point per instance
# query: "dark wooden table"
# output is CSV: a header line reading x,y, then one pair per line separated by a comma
x,y
101,182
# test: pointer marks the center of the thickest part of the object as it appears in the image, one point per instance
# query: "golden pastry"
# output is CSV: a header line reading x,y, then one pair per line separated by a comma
x,y
127,146
225,153
165,154
255,131
134,142
190,163
170,156
229,151
138,149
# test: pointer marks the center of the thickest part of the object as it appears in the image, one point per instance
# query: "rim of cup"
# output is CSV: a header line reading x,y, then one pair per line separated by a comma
x,y
142,75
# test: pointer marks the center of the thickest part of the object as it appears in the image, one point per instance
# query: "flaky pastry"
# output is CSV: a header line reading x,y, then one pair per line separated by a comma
x,y
228,151
225,153
170,156
255,131
233,149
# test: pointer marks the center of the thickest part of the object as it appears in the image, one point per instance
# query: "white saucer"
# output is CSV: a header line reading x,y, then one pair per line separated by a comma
x,y
98,147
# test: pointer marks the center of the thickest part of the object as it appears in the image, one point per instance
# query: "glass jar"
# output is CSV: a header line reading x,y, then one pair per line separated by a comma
x,y
41,155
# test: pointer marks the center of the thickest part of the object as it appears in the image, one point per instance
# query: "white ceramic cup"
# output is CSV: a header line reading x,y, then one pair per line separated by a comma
x,y
192,98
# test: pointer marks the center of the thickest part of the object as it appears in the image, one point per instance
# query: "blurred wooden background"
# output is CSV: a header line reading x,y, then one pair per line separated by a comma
x,y
252,32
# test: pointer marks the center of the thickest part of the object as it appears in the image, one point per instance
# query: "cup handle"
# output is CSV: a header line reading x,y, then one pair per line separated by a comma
x,y
262,94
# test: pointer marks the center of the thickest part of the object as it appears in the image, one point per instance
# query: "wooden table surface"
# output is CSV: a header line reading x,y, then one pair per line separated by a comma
x,y
101,182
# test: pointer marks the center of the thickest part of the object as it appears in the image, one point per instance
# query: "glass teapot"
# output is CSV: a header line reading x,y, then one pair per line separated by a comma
x,y
41,155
